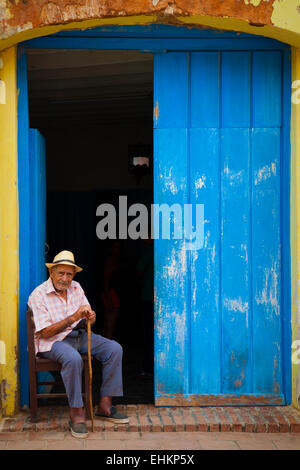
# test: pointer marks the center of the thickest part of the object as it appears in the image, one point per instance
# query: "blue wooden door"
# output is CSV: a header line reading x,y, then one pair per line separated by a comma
x,y
218,309
37,174
37,182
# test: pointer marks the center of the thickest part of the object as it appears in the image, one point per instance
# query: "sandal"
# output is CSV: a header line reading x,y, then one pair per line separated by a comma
x,y
114,417
78,430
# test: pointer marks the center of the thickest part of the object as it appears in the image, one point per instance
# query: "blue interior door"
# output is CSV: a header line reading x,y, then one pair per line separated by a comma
x,y
37,181
218,309
32,215
37,170
32,242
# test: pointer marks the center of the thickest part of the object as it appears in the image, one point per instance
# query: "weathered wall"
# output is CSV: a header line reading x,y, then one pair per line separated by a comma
x,y
8,235
44,12
22,19
295,228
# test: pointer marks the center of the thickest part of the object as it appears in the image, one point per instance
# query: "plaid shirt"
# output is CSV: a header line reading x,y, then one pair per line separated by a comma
x,y
49,308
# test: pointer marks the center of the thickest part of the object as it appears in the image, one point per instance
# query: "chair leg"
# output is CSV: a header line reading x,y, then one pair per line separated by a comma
x,y
86,390
33,398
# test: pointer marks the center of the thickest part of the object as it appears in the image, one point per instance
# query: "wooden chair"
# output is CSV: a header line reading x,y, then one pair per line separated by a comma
x,y
38,364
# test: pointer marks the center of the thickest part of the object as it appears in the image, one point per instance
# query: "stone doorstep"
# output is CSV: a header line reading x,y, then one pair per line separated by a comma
x,y
148,418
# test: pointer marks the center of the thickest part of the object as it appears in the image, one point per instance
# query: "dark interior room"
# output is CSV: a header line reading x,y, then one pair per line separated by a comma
x,y
94,109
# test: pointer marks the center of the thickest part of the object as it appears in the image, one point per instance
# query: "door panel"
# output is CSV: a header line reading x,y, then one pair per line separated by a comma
x,y
37,177
267,89
173,100
267,347
218,315
37,170
205,105
171,261
235,89
235,249
205,294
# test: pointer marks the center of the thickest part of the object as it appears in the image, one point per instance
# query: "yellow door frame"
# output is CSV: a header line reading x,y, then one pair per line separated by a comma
x,y
8,233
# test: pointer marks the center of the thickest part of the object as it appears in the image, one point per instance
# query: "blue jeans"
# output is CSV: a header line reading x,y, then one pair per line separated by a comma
x,y
67,353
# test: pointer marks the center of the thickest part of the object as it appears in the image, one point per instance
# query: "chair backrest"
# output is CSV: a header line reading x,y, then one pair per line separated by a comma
x,y
30,336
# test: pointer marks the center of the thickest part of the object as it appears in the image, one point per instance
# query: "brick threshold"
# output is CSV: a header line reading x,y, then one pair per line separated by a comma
x,y
148,418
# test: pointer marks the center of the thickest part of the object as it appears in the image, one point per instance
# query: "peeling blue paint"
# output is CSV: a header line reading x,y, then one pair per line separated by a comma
x,y
220,325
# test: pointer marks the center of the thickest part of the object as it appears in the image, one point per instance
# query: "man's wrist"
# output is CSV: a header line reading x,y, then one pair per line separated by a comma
x,y
70,320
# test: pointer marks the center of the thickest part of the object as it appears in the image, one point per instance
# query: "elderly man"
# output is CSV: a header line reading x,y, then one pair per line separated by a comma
x,y
60,310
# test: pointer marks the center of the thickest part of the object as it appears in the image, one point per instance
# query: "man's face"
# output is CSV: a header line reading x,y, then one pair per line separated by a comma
x,y
62,276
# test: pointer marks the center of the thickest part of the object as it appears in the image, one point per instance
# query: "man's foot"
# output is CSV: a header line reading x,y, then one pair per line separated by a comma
x,y
78,430
77,424
114,416
77,415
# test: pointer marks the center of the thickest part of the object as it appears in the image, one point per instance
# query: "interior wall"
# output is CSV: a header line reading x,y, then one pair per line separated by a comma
x,y
87,164
94,157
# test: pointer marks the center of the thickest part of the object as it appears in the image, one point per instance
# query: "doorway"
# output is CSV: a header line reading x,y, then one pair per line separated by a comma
x,y
214,117
94,109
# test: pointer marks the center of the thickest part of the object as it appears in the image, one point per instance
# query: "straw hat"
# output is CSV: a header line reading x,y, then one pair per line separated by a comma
x,y
64,257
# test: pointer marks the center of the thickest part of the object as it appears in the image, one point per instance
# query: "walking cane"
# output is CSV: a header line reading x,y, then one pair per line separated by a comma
x,y
90,372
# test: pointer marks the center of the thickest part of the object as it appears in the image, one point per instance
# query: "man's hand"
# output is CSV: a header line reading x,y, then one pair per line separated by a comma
x,y
91,316
84,311
56,328
81,312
